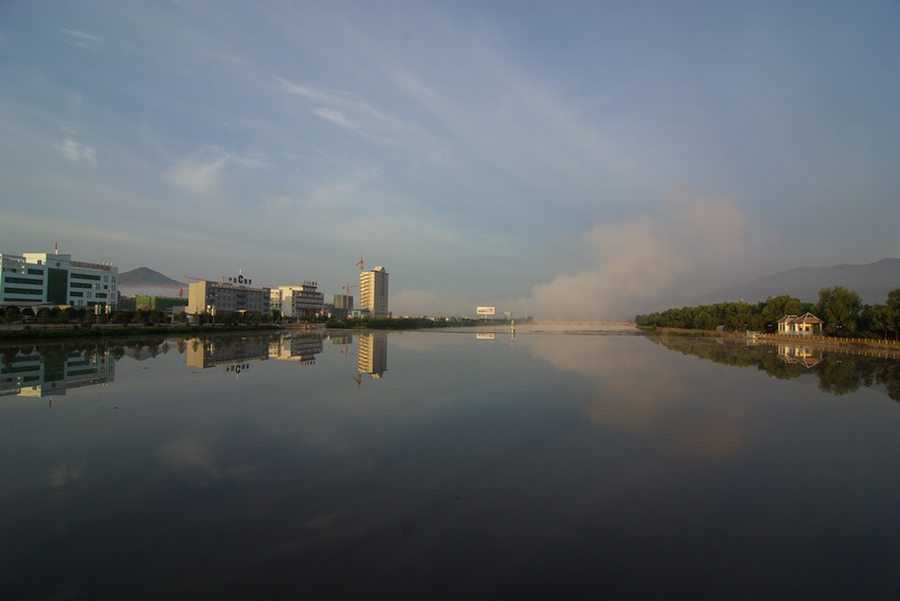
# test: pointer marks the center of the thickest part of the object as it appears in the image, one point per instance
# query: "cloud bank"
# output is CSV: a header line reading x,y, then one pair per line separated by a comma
x,y
645,261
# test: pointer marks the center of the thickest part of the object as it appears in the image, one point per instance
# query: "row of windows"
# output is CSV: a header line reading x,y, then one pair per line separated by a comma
x,y
16,280
35,271
24,291
85,276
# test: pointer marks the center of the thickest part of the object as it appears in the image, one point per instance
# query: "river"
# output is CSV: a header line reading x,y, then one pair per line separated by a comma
x,y
552,463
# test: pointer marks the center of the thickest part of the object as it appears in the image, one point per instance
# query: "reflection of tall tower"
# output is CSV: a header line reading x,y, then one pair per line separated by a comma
x,y
373,354
373,292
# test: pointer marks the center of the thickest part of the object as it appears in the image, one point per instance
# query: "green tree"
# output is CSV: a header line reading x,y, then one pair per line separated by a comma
x,y
891,315
777,307
840,308
12,315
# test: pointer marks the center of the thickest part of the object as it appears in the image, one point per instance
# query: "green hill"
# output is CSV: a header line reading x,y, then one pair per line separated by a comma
x,y
146,277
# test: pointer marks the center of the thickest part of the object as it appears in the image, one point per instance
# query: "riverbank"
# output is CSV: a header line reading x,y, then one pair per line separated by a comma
x,y
857,346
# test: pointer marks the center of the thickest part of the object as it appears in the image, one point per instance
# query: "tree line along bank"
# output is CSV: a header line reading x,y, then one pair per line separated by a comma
x,y
842,310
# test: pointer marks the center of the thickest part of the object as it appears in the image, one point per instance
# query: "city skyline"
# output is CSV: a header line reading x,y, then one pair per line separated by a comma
x,y
573,160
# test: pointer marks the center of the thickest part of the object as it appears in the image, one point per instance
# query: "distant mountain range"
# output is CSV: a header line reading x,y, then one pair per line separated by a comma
x,y
872,282
144,278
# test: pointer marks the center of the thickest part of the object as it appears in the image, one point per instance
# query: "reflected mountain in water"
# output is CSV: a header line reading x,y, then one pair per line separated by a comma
x,y
838,373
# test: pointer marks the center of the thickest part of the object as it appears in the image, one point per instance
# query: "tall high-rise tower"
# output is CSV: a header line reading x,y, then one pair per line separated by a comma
x,y
373,292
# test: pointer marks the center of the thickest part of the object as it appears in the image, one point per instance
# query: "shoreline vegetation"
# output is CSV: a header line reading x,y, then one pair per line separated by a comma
x,y
56,331
844,315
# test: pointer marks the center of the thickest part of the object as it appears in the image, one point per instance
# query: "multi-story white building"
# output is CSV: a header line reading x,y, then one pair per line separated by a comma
x,y
373,292
297,301
211,297
43,278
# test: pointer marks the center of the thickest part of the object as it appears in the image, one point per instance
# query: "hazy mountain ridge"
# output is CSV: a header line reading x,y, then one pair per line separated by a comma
x,y
872,281
144,277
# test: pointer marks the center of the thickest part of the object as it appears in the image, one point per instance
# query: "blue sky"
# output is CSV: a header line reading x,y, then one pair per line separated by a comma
x,y
572,159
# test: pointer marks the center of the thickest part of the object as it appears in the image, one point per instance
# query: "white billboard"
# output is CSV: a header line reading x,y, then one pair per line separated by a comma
x,y
485,310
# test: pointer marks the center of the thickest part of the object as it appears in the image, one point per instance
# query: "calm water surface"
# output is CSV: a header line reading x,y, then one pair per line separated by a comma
x,y
557,464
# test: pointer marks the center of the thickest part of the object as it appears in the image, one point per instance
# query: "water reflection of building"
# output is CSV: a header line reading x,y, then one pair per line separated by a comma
x,y
296,348
37,375
373,354
217,351
805,356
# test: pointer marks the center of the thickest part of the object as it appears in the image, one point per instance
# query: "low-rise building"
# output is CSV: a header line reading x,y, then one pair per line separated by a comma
x,y
297,301
158,303
805,325
211,297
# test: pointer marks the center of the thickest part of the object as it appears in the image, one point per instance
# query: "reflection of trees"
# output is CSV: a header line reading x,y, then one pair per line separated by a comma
x,y
838,373
888,375
9,355
842,374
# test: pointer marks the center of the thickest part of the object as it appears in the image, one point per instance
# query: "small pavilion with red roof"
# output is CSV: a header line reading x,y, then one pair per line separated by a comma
x,y
805,325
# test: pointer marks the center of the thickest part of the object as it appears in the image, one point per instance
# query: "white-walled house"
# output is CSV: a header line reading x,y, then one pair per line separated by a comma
x,y
805,325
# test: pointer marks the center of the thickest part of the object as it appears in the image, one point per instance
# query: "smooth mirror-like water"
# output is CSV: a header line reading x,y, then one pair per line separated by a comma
x,y
584,464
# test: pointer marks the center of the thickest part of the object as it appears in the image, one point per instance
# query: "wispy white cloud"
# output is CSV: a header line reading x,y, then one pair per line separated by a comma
x,y
200,176
82,39
197,176
83,36
75,152
334,116
367,120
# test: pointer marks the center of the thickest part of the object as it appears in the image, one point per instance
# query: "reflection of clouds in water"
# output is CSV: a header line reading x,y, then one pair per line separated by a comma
x,y
647,397
191,457
716,435
65,474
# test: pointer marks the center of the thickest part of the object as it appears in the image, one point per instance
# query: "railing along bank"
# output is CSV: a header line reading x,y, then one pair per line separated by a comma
x,y
854,346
